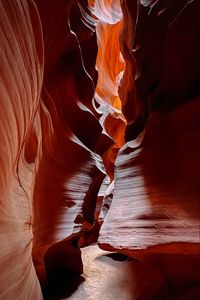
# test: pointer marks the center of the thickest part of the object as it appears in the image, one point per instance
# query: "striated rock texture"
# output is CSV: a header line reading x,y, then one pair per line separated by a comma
x,y
99,108
21,71
50,168
70,170
68,162
156,189
154,214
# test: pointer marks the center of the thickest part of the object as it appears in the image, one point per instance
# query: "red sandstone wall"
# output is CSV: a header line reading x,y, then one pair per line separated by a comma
x,y
90,89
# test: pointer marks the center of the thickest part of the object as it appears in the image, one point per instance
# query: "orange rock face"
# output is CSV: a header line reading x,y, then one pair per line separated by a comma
x,y
99,123
21,70
154,213
156,187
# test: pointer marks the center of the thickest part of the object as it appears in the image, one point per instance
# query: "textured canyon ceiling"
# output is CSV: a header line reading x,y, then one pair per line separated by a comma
x,y
99,129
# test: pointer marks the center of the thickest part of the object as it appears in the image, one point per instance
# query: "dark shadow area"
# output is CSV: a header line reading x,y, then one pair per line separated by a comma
x,y
63,268
62,285
117,256
138,280
114,258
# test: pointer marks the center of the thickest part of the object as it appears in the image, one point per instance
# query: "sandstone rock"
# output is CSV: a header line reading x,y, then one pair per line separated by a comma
x,y
21,71
92,90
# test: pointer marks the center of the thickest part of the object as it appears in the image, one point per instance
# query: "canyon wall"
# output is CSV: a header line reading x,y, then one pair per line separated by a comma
x,y
154,211
157,170
99,114
21,69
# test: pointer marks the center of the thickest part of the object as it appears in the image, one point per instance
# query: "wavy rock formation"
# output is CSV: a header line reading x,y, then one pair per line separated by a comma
x,y
158,178
70,171
154,214
99,124
21,69
50,171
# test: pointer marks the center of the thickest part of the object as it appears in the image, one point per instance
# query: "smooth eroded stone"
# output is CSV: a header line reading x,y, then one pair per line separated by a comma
x,y
156,194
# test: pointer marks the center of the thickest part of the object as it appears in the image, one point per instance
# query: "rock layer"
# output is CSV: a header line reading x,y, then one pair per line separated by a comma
x,y
156,190
21,69
154,214
99,106
49,167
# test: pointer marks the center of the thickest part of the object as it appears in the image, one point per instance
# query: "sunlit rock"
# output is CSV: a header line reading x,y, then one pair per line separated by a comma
x,y
99,125
21,71
155,205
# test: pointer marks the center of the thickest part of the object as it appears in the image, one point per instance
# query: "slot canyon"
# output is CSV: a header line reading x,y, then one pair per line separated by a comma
x,y
100,149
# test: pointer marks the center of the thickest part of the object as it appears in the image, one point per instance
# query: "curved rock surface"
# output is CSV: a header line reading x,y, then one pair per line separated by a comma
x,y
156,188
48,161
154,213
99,123
21,69
156,191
